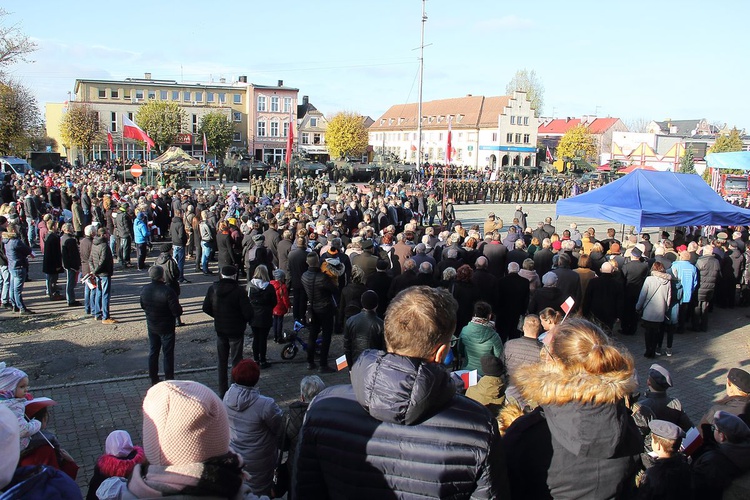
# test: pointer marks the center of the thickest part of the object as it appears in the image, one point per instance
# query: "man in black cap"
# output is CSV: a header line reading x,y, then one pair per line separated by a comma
x,y
635,273
162,307
656,403
738,395
364,330
667,474
367,261
228,304
726,458
319,289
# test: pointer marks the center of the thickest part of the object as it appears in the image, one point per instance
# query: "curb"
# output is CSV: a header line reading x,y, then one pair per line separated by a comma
x,y
115,379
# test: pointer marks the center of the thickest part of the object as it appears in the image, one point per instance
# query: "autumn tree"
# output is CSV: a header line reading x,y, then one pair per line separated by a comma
x,y
80,127
14,45
162,121
218,130
346,135
530,83
687,162
577,143
19,114
727,143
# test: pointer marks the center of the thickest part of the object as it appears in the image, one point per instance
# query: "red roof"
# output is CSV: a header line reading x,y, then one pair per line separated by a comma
x,y
561,126
630,168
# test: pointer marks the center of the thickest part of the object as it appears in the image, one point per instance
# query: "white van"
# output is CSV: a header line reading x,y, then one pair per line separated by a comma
x,y
11,165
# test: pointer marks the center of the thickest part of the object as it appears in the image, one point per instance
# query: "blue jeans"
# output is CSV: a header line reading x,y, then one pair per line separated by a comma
x,y
5,278
178,253
31,232
112,241
89,299
70,285
17,279
205,255
101,302
51,283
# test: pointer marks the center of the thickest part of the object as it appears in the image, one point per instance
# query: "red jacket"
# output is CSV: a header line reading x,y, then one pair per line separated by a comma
x,y
282,298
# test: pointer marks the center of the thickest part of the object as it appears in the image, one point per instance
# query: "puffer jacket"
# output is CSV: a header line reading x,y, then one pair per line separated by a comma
x,y
319,289
254,432
476,341
100,260
709,272
40,481
655,297
409,411
591,444
140,230
263,299
490,392
16,251
162,306
227,303
363,331
85,250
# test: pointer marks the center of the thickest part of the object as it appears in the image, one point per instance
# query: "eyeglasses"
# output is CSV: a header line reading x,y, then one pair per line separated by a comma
x,y
714,428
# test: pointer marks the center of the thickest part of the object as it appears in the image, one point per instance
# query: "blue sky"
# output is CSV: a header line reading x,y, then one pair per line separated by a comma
x,y
653,59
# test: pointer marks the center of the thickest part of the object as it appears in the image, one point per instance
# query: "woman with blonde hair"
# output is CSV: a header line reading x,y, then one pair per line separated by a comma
x,y
581,441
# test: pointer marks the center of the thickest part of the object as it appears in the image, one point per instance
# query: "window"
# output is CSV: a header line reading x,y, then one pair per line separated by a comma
x,y
526,138
440,136
236,116
113,120
274,104
509,138
126,94
287,104
209,97
102,93
175,95
152,94
114,94
237,137
525,120
163,95
222,97
274,129
305,138
313,122
199,97
186,96
494,136
261,103
518,137
512,120
237,98
96,121
316,138
130,116
195,124
261,129
285,129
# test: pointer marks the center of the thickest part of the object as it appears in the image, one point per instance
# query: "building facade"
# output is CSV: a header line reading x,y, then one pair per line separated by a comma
x,y
270,111
311,131
486,132
551,131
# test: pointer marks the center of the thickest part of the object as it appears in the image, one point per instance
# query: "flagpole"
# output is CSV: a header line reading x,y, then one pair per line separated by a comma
x,y
421,79
123,158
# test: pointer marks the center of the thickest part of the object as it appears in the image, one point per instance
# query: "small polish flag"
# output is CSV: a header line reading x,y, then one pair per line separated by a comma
x,y
341,362
692,441
469,378
549,156
568,305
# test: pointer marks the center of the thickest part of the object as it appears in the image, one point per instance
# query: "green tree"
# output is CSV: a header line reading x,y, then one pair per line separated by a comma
x,y
80,127
19,115
687,162
162,121
727,143
346,135
529,82
219,131
577,143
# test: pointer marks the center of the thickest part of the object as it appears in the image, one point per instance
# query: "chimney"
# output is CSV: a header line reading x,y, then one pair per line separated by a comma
x,y
222,80
305,100
281,83
243,79
148,76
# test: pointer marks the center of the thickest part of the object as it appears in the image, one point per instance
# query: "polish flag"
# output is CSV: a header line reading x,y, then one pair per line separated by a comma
x,y
449,145
289,144
341,362
205,146
469,378
567,305
133,131
549,156
110,143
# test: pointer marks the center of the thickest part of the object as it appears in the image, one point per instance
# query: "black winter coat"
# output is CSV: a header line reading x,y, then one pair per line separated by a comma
x,y
161,306
52,260
177,232
497,257
71,255
319,289
228,304
171,271
350,302
297,263
363,331
263,300
411,410
604,299
101,261
225,250
380,283
709,271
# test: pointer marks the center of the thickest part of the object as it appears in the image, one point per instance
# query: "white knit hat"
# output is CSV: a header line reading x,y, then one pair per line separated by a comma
x,y
10,444
184,422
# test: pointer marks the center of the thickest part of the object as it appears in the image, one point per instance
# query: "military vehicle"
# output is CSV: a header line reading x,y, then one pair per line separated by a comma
x,y
239,165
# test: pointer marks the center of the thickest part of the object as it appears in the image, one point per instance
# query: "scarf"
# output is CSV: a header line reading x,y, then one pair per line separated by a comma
x,y
483,322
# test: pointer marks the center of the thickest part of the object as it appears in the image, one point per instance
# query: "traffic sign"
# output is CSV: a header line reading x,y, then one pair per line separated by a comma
x,y
136,170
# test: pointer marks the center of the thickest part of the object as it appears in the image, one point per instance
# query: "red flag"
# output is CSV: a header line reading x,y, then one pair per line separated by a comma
x,y
289,142
567,305
449,146
205,146
549,155
110,143
133,131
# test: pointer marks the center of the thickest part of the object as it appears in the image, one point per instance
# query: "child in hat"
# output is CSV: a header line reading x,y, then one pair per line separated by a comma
x,y
44,447
14,387
282,304
119,459
669,475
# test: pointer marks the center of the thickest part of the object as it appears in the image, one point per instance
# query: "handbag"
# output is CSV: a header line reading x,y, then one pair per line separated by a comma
x,y
281,473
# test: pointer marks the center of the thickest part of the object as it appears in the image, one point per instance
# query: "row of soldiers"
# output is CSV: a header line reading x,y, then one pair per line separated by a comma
x,y
529,190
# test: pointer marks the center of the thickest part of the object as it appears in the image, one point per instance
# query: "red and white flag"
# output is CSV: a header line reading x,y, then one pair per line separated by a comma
x,y
205,146
290,142
549,156
133,131
449,145
470,378
110,143
567,305
341,362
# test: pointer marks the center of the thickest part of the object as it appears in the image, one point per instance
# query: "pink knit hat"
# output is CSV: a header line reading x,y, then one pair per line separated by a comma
x,y
184,422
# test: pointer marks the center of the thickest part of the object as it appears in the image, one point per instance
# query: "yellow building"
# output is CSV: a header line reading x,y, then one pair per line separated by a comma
x,y
113,99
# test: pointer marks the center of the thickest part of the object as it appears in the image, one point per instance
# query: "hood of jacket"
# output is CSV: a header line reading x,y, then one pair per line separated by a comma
x,y
163,258
398,389
258,283
111,465
240,397
225,287
664,277
99,240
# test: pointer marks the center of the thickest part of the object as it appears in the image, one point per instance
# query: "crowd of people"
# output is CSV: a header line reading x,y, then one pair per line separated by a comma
x,y
555,412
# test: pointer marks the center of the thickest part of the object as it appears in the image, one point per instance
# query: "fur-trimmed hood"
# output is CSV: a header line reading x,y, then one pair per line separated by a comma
x,y
111,466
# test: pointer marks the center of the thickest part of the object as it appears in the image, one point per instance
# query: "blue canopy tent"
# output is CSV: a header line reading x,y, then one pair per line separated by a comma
x,y
654,199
